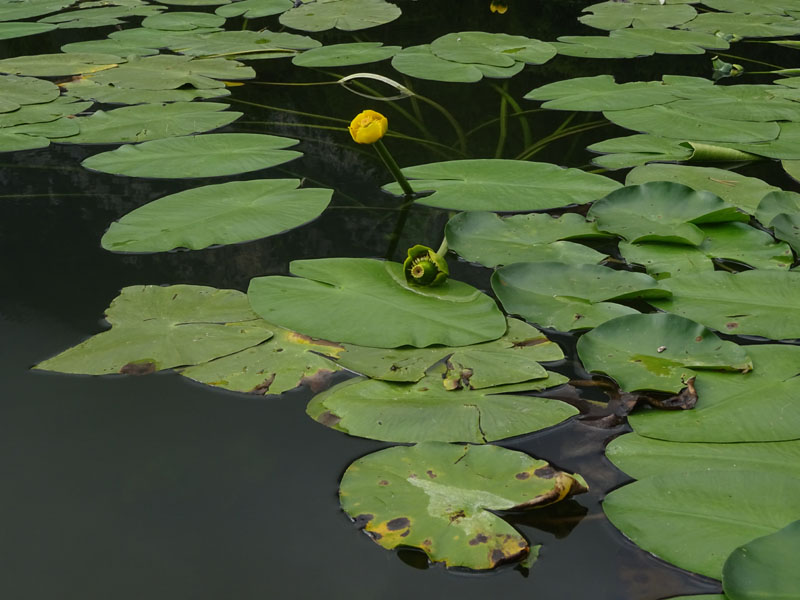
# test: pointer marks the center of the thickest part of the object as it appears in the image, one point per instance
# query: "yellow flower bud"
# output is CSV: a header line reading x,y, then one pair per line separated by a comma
x,y
498,6
368,127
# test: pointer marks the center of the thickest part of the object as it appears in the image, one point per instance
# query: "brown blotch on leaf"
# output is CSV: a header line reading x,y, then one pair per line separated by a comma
x,y
319,381
397,524
140,368
431,474
328,419
363,519
523,475
532,342
263,387
731,325
405,533
545,472
427,542
457,515
686,399
383,482
497,556
478,539
699,338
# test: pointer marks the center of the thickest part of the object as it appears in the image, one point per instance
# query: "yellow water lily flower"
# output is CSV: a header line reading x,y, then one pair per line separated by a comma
x,y
498,6
368,127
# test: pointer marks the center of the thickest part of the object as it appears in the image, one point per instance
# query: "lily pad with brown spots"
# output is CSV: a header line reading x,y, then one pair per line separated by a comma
x,y
439,497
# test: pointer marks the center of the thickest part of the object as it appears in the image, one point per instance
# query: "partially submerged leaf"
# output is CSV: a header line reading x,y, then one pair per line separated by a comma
x,y
426,411
441,497
154,328
657,352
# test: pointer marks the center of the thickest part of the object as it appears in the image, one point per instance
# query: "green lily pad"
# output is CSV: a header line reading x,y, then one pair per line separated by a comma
x,y
87,89
17,91
367,302
108,46
171,72
17,10
158,38
513,358
493,49
744,25
666,260
441,498
282,363
22,29
765,7
152,121
760,406
347,15
781,212
182,21
244,45
600,93
503,185
661,211
614,15
194,2
670,122
338,55
487,239
42,113
35,135
154,328
657,352
670,41
792,167
567,297
642,457
759,302
103,16
739,190
254,9
691,520
420,62
426,411
600,46
765,567
59,65
208,155
225,213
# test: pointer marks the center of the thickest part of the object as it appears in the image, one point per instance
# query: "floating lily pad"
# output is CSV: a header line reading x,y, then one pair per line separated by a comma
x,y
509,359
339,55
158,38
17,10
103,16
151,121
758,302
426,411
441,497
171,72
666,260
600,93
568,297
661,211
367,302
154,328
642,457
744,25
597,46
741,191
59,65
22,29
108,46
226,213
766,7
493,49
35,135
88,89
760,406
42,113
208,155
420,62
781,211
695,519
347,15
615,15
182,21
792,167
657,352
670,41
244,45
282,363
765,567
503,185
254,9
485,238
16,91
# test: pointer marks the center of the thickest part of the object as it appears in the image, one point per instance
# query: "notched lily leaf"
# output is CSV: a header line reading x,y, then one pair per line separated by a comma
x,y
154,328
439,497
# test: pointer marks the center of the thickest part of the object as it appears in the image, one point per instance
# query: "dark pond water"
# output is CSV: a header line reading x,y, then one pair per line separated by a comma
x,y
158,488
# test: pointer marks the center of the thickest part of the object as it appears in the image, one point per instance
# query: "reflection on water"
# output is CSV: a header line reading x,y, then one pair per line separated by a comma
x,y
157,487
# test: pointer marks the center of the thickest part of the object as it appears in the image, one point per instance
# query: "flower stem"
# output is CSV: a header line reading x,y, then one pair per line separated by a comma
x,y
390,163
443,248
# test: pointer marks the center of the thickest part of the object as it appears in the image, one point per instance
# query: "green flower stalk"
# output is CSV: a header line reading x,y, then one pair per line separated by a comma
x,y
424,267
368,127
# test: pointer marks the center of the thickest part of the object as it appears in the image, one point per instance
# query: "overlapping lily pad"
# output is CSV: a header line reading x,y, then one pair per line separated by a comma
x,y
206,155
102,16
615,15
87,89
17,10
568,297
154,328
658,351
426,411
226,213
490,240
23,29
171,72
503,185
42,113
337,55
35,135
738,303
16,91
760,406
695,519
441,498
182,21
420,62
347,15
254,9
509,359
493,49
744,25
600,93
59,65
243,45
367,302
151,122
